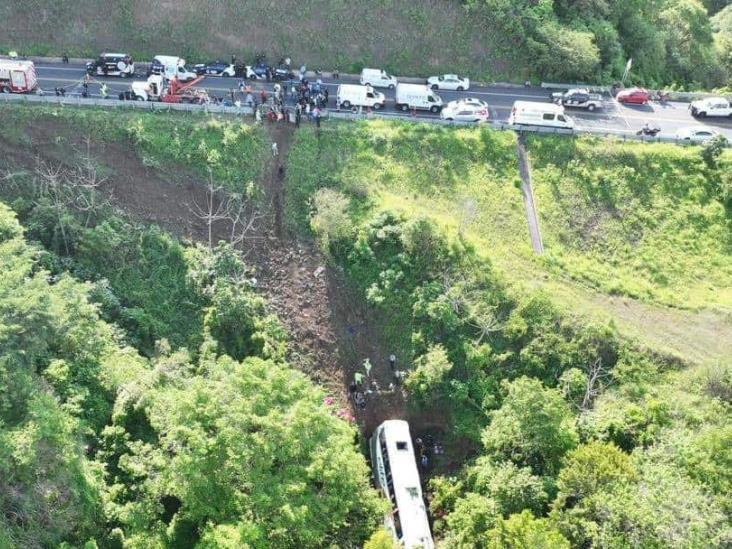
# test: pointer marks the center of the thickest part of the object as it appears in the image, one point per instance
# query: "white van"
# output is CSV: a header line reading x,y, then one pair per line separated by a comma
x,y
417,96
353,95
531,113
378,79
170,66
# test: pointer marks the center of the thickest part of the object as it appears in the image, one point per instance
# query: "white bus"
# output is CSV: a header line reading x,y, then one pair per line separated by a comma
x,y
395,472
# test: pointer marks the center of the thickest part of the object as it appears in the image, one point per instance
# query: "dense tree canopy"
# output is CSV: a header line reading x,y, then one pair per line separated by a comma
x,y
669,41
98,443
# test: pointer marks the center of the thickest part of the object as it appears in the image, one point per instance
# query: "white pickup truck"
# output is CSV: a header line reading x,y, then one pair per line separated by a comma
x,y
711,106
578,98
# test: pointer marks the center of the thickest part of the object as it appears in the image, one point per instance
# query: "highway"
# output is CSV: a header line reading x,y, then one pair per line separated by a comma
x,y
614,118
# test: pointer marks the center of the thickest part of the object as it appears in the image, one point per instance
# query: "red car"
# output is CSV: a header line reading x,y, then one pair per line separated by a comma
x,y
635,96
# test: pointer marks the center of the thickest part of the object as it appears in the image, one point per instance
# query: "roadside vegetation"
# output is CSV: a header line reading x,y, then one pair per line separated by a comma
x,y
681,43
649,222
147,393
583,432
146,396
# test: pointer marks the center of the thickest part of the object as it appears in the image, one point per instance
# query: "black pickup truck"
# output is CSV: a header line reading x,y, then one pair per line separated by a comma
x,y
579,99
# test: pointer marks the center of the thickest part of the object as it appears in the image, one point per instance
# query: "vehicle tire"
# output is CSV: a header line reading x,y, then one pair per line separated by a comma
x,y
139,98
702,114
391,86
590,107
5,89
368,84
377,106
403,108
435,87
346,104
451,119
460,88
434,109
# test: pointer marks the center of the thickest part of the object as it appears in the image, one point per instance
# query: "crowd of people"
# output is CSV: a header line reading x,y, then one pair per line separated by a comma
x,y
427,448
288,102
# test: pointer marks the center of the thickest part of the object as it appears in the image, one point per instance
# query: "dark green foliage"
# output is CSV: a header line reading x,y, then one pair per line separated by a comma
x,y
243,452
57,361
670,41
574,419
534,427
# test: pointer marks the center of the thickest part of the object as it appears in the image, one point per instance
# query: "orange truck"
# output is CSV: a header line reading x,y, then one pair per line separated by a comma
x,y
17,76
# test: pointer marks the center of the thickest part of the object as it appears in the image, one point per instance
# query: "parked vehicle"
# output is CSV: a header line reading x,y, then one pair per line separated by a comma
x,y
530,113
417,97
633,96
282,72
17,76
112,64
150,90
465,112
215,68
696,134
378,79
396,475
448,82
171,67
579,99
355,95
711,106
474,102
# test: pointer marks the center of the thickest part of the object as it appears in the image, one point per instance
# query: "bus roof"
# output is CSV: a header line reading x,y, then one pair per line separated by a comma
x,y
407,488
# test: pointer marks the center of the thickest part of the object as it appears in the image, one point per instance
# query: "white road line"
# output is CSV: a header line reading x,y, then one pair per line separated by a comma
x,y
80,70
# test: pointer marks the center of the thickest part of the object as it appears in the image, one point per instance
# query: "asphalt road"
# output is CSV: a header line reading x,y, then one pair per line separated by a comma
x,y
615,118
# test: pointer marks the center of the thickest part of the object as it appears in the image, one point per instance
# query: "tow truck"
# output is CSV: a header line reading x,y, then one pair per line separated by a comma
x,y
158,88
578,98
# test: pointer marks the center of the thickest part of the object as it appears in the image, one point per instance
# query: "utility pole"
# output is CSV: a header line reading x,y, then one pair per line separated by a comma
x,y
626,73
531,216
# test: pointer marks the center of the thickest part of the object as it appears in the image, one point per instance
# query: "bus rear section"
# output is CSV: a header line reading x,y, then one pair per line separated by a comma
x,y
396,475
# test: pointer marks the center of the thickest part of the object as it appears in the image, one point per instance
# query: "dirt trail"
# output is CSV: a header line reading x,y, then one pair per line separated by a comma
x,y
332,331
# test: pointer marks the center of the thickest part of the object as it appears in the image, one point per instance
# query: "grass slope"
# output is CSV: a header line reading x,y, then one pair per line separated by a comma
x,y
617,219
234,152
327,33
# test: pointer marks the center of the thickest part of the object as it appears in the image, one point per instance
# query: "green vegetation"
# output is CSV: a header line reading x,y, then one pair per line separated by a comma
x,y
146,398
645,222
588,438
177,145
671,41
152,406
155,430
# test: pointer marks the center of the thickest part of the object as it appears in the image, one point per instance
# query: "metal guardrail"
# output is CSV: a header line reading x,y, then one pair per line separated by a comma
x,y
505,126
154,106
590,87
